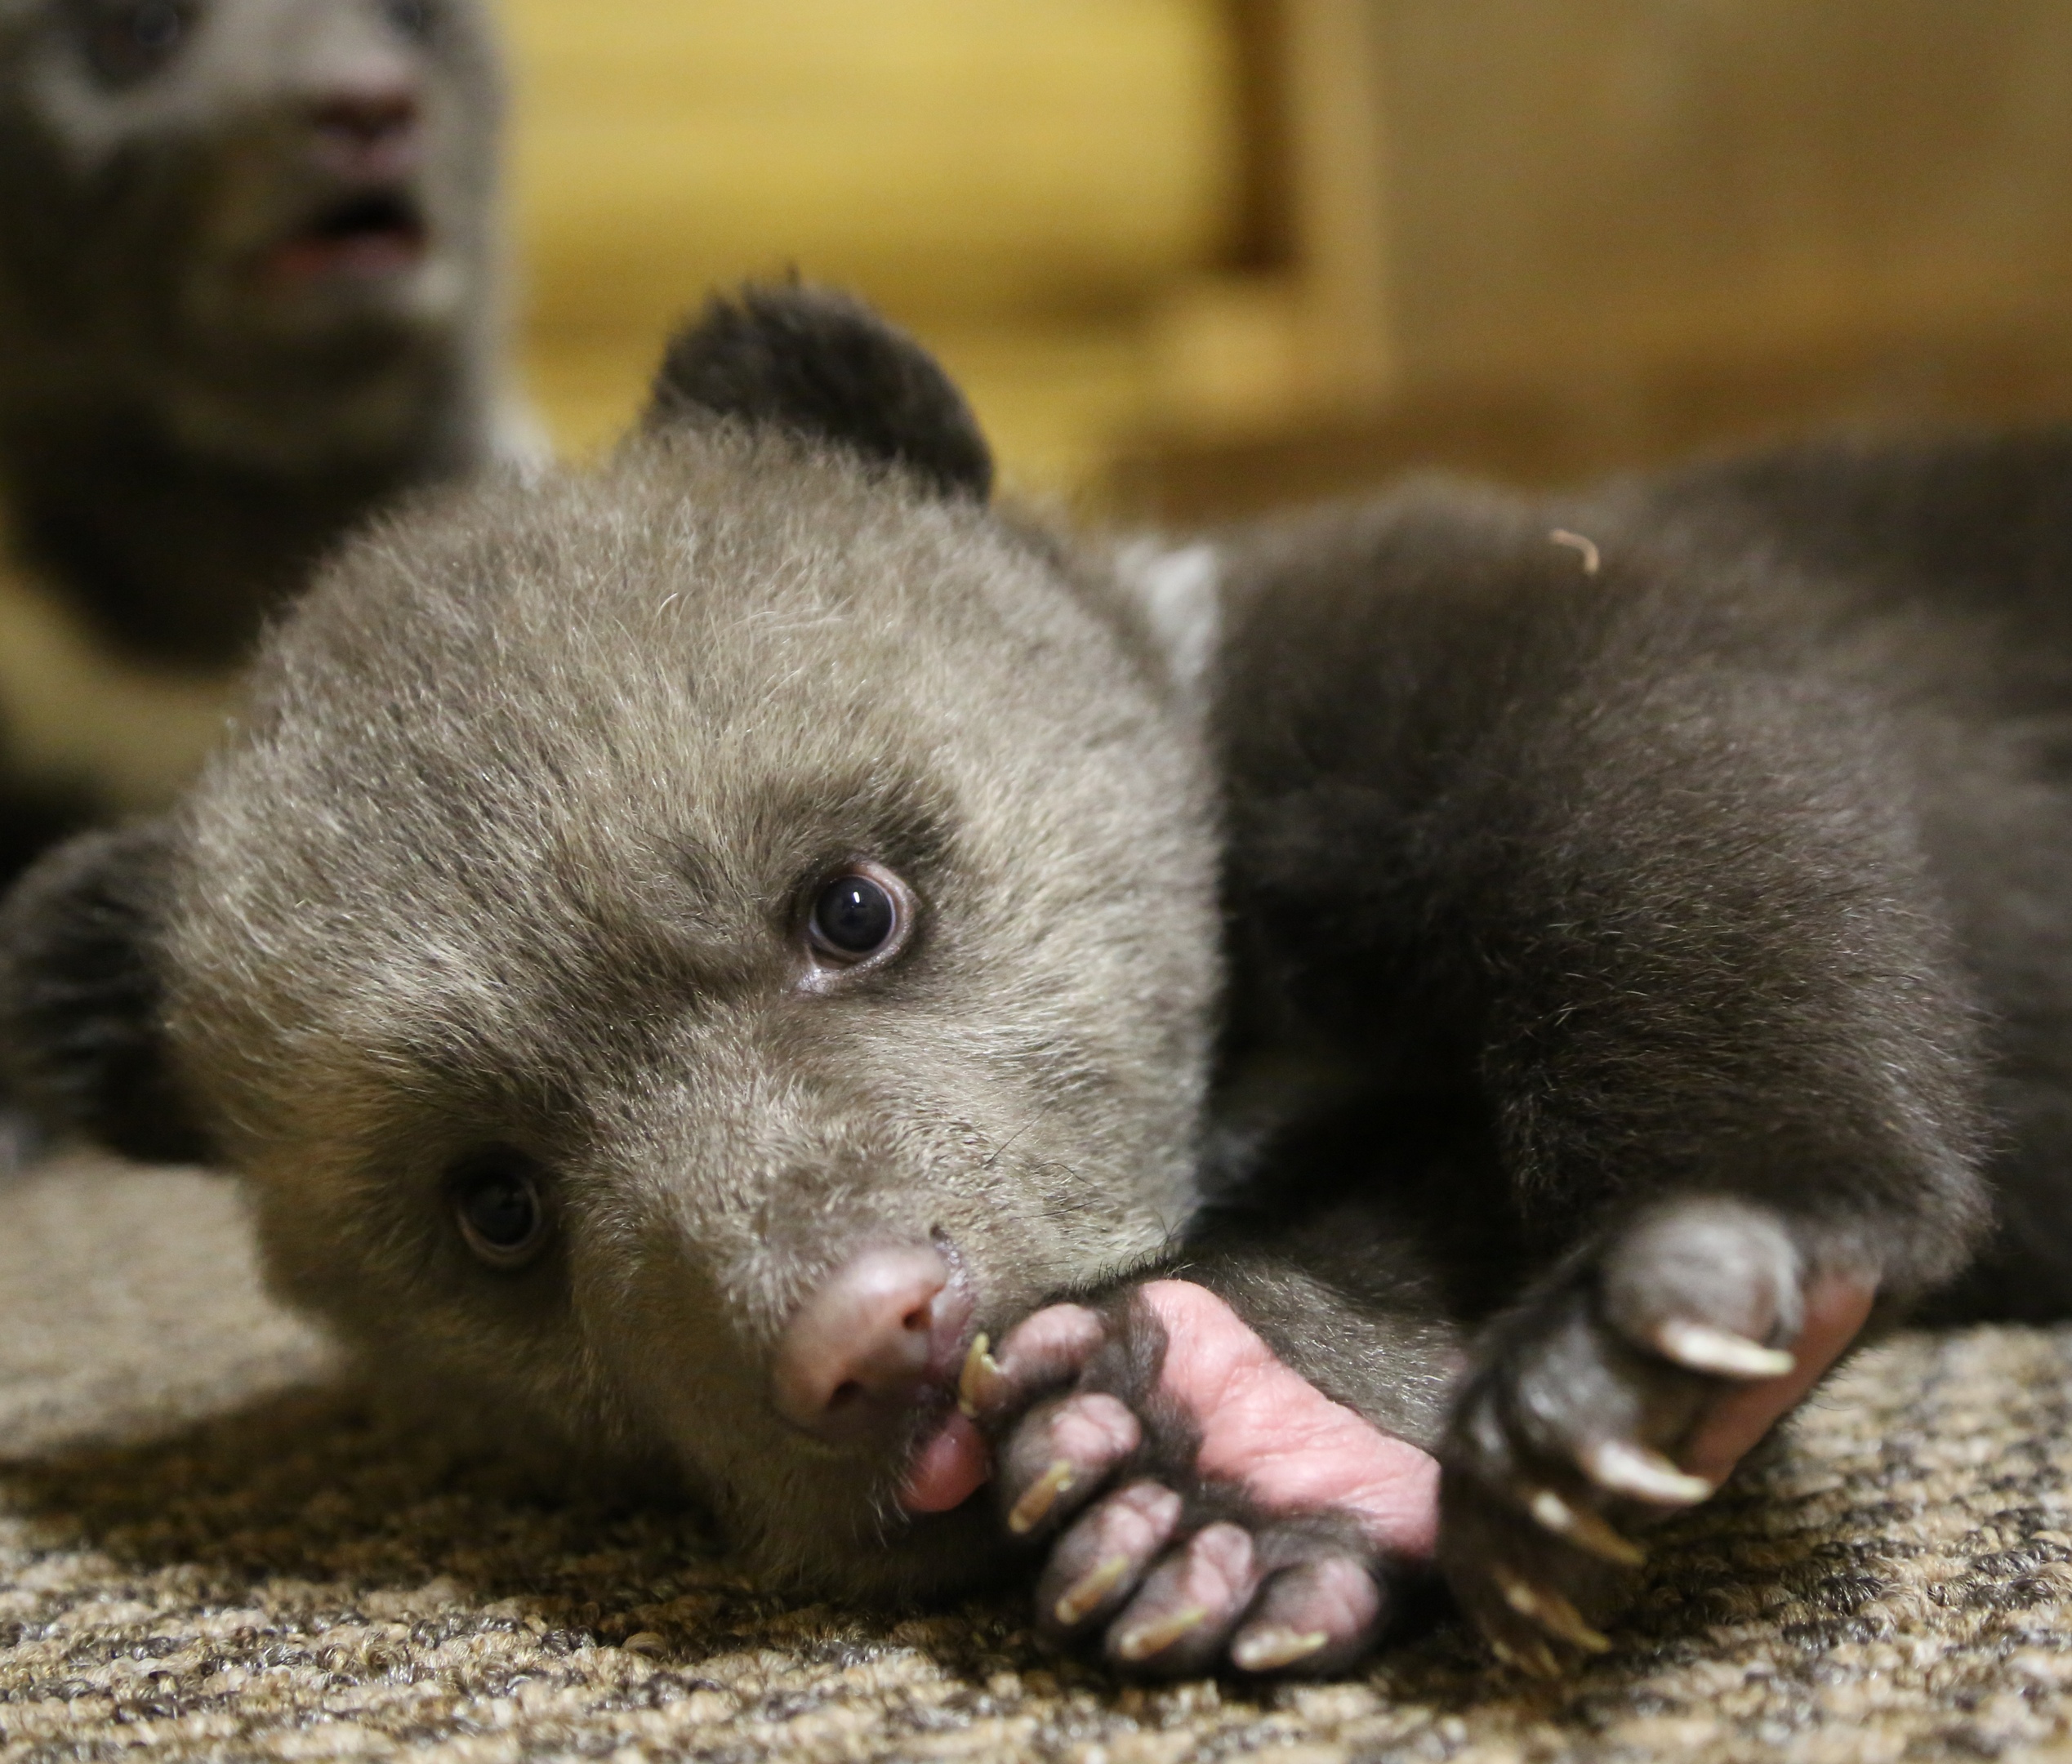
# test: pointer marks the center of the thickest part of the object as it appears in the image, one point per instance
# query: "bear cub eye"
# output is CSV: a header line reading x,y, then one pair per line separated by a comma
x,y
129,40
497,1204
413,18
863,915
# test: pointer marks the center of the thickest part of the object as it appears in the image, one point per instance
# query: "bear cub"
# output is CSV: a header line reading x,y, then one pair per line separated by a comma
x,y
1231,1075
250,290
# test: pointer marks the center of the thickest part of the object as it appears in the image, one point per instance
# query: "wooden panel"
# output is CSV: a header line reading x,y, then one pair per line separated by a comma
x,y
1585,182
1016,179
1541,434
949,157
1544,238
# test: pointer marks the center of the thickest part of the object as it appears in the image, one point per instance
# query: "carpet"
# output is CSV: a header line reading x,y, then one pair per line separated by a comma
x,y
209,1549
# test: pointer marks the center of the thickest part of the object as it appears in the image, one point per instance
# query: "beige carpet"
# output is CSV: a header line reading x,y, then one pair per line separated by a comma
x,y
208,1551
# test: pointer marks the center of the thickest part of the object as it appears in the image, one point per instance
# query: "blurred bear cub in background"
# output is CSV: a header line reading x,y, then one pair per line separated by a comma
x,y
1230,1075
247,292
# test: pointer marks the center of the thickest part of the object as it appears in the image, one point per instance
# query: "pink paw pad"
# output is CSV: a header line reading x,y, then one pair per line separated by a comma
x,y
1279,1438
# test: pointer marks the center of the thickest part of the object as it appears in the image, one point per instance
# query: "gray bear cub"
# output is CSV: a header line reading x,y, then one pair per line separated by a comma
x,y
1232,1077
250,289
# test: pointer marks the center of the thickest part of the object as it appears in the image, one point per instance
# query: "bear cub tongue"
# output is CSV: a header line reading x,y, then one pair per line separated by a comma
x,y
951,1468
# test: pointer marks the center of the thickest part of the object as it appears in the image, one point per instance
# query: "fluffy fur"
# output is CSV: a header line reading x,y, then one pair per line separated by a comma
x,y
1412,921
774,656
247,292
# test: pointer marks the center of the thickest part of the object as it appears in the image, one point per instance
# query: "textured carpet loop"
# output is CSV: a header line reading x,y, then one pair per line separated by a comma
x,y
208,1549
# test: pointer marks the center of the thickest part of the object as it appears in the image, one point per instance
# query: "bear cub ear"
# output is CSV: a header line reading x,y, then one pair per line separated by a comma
x,y
82,1045
825,366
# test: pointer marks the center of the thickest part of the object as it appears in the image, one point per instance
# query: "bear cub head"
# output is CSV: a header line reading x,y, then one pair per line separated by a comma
x,y
256,231
676,952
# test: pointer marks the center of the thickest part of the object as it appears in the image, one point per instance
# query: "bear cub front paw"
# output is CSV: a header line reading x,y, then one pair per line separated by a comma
x,y
1199,1503
1627,1389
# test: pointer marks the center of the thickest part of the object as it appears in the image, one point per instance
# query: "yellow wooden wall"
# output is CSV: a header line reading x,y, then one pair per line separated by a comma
x,y
1617,229
1549,239
1017,180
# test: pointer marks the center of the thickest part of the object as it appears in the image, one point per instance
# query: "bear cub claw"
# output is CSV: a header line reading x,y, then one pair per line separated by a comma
x,y
1627,1390
1200,1504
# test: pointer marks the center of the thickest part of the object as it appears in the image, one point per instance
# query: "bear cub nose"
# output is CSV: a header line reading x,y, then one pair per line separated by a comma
x,y
857,1354
370,132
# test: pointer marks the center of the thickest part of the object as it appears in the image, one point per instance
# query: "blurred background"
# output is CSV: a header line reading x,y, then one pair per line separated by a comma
x,y
1192,257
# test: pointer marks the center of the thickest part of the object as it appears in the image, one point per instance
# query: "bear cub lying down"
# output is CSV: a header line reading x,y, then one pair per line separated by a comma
x,y
1230,1076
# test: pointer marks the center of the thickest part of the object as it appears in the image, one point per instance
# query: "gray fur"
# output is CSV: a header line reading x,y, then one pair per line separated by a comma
x,y
183,430
630,718
1582,926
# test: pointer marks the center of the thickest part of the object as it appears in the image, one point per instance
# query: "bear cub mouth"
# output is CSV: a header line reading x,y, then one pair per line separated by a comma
x,y
366,236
